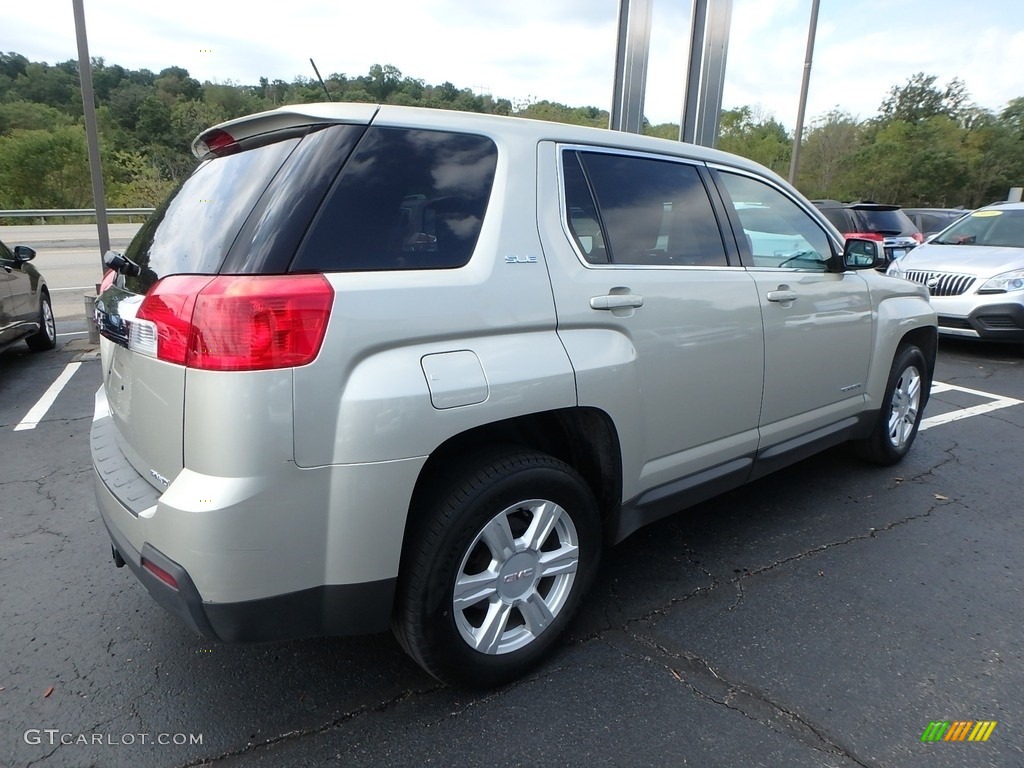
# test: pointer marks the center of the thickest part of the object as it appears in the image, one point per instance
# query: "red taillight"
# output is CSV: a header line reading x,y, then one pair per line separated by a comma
x,y
160,573
260,322
866,236
219,142
168,307
919,237
235,322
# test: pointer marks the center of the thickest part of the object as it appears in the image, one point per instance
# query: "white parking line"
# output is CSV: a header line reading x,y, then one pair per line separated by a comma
x,y
995,403
37,411
75,288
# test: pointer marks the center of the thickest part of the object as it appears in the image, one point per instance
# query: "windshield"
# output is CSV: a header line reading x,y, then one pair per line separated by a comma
x,y
991,227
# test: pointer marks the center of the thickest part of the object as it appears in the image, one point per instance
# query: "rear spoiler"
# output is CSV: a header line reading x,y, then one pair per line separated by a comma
x,y
281,119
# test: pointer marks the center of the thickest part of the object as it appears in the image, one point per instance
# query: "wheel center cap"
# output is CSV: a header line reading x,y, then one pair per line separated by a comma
x,y
517,576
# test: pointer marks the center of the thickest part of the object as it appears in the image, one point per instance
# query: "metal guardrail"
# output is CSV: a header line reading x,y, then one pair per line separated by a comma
x,y
43,213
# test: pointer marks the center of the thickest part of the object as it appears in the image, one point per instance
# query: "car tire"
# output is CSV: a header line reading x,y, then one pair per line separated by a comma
x,y
900,416
46,337
495,567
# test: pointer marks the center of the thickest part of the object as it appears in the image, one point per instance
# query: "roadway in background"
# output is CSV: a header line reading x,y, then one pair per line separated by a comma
x,y
68,255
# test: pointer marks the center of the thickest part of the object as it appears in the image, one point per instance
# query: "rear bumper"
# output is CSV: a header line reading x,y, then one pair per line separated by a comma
x,y
298,553
340,609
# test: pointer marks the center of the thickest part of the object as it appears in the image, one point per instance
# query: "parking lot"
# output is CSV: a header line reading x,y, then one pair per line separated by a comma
x,y
822,616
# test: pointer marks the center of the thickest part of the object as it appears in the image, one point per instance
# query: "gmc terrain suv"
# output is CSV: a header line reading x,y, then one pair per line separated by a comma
x,y
380,366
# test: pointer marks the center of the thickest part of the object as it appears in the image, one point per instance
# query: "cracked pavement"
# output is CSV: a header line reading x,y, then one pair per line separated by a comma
x,y
821,616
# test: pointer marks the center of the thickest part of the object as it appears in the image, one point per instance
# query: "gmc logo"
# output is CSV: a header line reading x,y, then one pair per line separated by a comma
x,y
513,577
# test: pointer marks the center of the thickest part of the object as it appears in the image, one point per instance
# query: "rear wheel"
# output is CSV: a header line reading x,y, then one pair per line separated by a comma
x,y
495,568
46,337
900,415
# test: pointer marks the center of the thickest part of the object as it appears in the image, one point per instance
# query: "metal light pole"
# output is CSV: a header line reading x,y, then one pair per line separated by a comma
x,y
705,77
794,162
91,132
630,85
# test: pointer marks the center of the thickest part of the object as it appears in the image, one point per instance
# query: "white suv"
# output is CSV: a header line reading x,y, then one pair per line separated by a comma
x,y
974,270
377,366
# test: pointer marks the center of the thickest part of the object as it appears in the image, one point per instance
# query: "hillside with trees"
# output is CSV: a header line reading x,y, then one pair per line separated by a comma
x,y
928,145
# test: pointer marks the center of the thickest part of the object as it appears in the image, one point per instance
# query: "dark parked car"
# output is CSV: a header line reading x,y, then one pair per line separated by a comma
x,y
933,220
25,310
888,223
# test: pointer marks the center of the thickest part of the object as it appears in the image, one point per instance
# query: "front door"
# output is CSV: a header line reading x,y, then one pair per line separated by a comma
x,y
818,324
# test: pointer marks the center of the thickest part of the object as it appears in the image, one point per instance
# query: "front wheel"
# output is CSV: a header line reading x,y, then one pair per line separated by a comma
x,y
46,337
495,567
900,415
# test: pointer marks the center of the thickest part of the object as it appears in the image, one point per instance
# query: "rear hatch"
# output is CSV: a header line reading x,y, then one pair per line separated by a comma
x,y
241,213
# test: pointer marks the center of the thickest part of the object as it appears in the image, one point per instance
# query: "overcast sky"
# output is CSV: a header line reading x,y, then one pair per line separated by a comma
x,y
560,50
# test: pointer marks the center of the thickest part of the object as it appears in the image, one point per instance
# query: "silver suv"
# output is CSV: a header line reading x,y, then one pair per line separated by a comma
x,y
376,366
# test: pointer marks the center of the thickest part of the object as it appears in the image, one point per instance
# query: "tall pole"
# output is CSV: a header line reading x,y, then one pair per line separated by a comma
x,y
631,52
705,76
91,132
794,162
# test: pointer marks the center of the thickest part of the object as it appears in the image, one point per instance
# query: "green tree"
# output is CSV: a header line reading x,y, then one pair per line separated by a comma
x,y
757,136
383,81
45,169
920,99
826,156
28,115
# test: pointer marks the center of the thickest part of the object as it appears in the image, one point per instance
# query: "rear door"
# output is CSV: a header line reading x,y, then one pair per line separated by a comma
x,y
663,331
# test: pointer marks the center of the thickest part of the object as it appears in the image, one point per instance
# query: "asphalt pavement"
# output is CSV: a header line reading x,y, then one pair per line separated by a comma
x,y
823,616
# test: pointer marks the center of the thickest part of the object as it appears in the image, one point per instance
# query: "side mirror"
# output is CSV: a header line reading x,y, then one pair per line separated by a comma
x,y
23,253
861,253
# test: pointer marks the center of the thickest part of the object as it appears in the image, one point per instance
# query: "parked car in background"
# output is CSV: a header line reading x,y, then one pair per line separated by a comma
x,y
383,366
25,309
974,271
887,223
933,220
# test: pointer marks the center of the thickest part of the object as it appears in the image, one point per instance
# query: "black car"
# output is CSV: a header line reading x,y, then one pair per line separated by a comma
x,y
25,309
932,220
876,221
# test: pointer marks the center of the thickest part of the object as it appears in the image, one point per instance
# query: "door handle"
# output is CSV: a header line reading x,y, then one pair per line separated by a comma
x,y
616,301
781,296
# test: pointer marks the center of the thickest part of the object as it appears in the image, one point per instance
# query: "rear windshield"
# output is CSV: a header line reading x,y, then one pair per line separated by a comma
x,y
883,222
194,228
406,199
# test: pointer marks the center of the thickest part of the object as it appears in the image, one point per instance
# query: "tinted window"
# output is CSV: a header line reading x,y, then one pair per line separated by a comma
x,y
778,232
193,229
838,218
652,212
581,212
884,222
406,199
